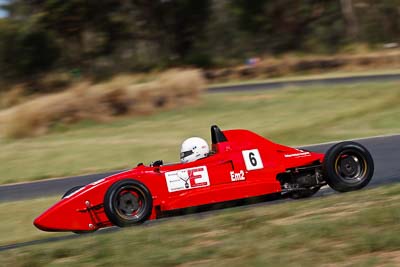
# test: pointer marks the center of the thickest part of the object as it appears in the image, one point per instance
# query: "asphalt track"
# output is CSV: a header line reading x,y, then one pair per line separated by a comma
x,y
59,186
304,83
385,151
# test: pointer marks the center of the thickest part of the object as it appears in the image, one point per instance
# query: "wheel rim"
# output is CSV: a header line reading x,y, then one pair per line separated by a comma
x,y
129,203
351,166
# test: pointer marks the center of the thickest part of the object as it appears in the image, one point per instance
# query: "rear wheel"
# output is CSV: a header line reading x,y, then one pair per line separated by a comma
x,y
128,202
348,166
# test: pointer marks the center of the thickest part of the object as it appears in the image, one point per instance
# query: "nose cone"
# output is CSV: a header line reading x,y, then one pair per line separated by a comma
x,y
64,216
79,211
53,219
40,223
44,223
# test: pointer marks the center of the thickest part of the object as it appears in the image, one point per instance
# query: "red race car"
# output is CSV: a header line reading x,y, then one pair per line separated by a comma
x,y
241,165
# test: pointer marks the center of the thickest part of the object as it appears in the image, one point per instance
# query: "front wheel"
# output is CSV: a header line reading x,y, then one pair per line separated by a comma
x,y
71,190
128,202
348,166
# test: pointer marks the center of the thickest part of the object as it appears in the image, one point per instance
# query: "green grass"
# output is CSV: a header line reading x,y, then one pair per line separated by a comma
x,y
291,116
353,229
16,220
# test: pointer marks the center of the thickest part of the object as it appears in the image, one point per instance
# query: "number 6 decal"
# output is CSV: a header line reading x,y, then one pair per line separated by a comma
x,y
252,159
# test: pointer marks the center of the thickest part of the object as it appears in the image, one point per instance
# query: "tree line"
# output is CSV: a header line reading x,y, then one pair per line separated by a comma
x,y
103,37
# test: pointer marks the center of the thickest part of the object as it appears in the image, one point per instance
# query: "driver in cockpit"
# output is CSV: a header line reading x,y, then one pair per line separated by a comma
x,y
192,149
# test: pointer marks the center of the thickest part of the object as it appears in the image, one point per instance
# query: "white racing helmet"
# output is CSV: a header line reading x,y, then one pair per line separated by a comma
x,y
194,148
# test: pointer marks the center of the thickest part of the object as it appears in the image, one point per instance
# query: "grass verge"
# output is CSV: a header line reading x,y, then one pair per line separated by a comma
x,y
290,65
353,229
101,102
16,220
289,116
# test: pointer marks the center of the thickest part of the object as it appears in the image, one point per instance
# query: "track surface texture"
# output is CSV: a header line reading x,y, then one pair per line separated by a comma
x,y
303,83
381,149
385,151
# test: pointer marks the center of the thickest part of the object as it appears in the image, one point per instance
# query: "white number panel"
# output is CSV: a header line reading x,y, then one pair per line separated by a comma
x,y
187,179
252,159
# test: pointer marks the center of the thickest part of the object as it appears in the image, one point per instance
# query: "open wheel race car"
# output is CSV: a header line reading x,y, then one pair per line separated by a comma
x,y
241,165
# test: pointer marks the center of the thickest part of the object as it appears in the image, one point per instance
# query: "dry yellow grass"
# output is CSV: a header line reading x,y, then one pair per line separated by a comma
x,y
270,66
120,96
13,97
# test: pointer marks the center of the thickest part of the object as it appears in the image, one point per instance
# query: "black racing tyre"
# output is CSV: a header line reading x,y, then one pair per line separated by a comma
x,y
304,193
128,202
348,166
71,190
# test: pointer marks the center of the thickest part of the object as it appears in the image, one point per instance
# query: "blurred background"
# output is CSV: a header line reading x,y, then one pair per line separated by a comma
x,y
135,77
56,46
94,86
103,38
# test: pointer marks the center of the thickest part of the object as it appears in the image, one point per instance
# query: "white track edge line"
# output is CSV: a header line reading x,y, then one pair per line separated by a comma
x,y
356,139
